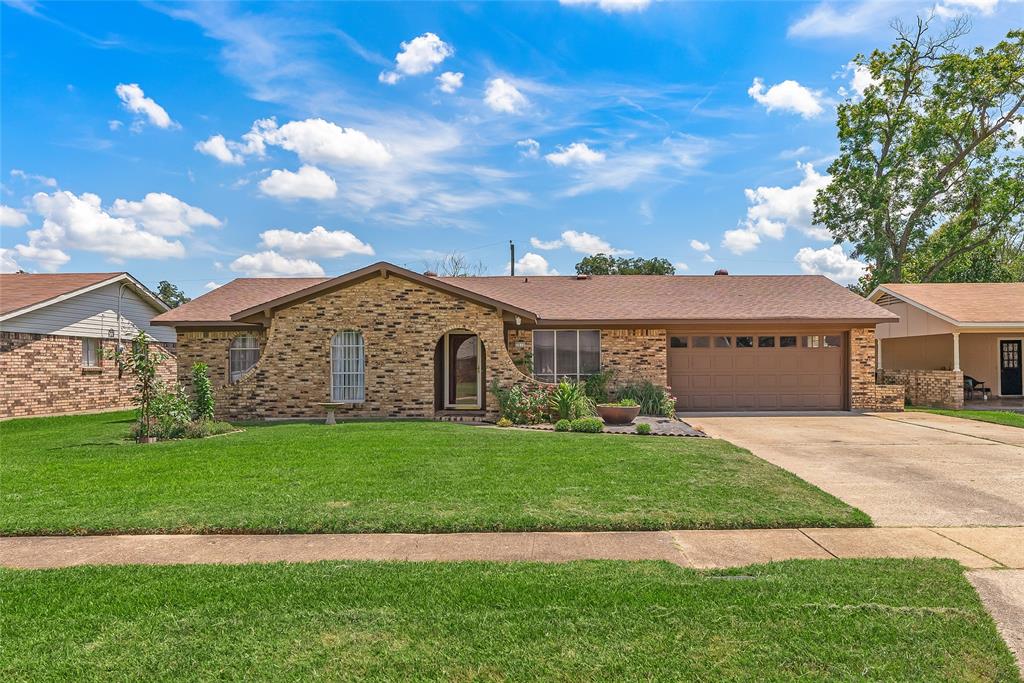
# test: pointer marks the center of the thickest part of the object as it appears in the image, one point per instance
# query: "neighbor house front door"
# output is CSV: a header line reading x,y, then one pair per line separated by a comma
x,y
1010,379
462,371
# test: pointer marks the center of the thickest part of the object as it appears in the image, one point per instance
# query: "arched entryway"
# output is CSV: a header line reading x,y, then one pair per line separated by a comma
x,y
459,371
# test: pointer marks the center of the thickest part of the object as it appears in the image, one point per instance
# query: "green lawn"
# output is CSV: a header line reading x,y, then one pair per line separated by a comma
x,y
79,475
899,620
1000,417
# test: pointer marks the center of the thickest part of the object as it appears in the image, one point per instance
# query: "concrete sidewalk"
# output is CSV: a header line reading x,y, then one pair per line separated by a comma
x,y
974,547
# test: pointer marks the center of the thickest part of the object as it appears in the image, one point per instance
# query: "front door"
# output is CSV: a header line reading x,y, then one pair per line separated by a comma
x,y
462,371
1009,367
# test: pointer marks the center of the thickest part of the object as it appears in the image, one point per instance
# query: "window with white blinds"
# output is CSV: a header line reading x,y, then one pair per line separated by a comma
x,y
347,367
243,353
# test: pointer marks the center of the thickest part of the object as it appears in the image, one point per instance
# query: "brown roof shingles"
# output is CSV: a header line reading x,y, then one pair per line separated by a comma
x,y
237,295
968,302
21,290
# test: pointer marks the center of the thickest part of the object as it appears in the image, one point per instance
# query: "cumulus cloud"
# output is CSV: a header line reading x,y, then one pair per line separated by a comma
x,y
831,262
502,96
773,210
450,81
211,285
787,96
697,245
610,6
529,148
272,264
317,141
533,264
860,80
417,56
576,154
216,146
134,100
7,262
679,265
580,242
317,242
164,214
309,183
949,9
12,218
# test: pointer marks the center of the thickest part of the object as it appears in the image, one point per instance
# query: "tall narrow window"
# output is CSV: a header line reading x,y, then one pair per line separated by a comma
x,y
90,353
243,353
347,367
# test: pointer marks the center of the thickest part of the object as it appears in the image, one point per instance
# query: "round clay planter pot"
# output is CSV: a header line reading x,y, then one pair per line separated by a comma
x,y
147,439
618,415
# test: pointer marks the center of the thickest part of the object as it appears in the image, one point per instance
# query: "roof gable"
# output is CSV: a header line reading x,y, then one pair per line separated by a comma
x,y
21,293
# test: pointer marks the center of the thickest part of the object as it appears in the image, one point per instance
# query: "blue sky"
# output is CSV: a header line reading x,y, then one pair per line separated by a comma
x,y
198,143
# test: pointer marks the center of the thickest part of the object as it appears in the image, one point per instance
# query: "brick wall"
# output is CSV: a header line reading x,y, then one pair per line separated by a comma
x,y
401,322
43,375
934,388
865,392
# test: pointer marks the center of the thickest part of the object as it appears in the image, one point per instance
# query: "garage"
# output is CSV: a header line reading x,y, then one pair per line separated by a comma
x,y
757,371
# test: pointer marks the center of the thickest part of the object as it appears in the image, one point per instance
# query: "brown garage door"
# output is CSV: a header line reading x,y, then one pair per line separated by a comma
x,y
768,371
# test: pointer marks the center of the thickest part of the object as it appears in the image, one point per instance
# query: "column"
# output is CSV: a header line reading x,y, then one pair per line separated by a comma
x,y
956,351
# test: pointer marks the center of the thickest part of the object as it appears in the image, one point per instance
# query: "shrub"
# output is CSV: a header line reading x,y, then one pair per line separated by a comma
x,y
622,403
569,401
171,413
591,425
653,400
504,422
596,386
203,391
643,428
563,426
522,405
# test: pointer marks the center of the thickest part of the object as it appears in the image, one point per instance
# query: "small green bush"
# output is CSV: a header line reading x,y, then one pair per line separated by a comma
x,y
569,401
522,406
563,426
203,391
643,428
504,422
171,411
653,400
590,425
596,386
623,403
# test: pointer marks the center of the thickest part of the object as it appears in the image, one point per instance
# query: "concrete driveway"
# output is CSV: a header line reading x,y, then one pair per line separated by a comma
x,y
903,469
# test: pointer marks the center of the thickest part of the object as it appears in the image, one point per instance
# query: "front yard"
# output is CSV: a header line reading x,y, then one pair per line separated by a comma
x,y
999,417
73,475
900,620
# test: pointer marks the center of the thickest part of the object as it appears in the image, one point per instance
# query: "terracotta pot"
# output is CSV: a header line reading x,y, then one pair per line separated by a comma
x,y
618,415
147,439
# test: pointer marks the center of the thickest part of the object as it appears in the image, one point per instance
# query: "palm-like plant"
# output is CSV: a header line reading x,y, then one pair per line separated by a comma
x,y
569,401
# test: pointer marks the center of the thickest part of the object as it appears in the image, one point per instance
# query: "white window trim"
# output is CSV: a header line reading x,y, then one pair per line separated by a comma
x,y
341,379
233,349
95,360
554,339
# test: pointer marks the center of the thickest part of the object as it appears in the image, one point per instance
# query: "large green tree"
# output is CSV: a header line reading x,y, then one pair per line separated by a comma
x,y
171,294
603,264
929,181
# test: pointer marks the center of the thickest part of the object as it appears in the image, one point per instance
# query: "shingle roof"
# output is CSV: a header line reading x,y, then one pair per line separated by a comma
x,y
608,299
967,302
237,295
21,290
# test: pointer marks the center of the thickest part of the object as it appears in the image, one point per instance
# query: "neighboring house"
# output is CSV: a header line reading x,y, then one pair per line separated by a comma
x,y
384,341
55,333
948,330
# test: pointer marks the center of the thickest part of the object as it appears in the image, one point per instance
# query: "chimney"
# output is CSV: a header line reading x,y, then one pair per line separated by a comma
x,y
721,271
430,273
582,276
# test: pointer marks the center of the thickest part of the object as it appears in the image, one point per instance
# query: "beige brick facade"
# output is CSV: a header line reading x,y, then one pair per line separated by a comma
x,y
933,388
43,375
865,392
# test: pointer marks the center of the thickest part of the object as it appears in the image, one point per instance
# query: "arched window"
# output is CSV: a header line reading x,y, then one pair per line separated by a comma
x,y
347,367
242,355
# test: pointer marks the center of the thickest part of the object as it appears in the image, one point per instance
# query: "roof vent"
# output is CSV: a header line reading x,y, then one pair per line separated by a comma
x,y
582,276
430,273
721,271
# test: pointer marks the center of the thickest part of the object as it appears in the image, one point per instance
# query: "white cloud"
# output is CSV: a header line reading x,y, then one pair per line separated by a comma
x,y
12,218
697,245
317,242
787,96
318,141
7,262
49,259
534,264
831,262
610,5
164,214
667,161
794,153
679,265
450,81
211,285
860,80
217,147
309,183
114,124
707,258
502,96
529,148
135,101
417,56
272,264
580,242
32,177
948,9
576,154
825,20
773,210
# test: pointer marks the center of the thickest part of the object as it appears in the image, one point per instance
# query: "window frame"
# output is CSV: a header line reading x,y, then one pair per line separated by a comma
x,y
555,375
91,358
338,390
232,349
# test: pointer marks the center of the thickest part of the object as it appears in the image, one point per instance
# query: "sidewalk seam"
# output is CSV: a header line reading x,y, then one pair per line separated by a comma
x,y
948,431
815,542
973,550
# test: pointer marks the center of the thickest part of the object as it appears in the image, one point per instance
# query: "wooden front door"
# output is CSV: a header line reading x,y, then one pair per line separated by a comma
x,y
1010,379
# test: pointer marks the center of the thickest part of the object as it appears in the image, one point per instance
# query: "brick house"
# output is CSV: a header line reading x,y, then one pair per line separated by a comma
x,y
383,341
951,332
55,331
